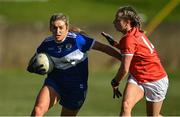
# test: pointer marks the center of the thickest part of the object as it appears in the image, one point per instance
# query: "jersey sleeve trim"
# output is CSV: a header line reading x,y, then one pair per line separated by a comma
x,y
92,44
127,54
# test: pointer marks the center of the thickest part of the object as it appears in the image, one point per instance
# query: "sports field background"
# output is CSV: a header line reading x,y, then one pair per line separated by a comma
x,y
24,23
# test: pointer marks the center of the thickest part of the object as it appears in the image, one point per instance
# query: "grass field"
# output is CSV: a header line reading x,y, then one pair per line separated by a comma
x,y
19,89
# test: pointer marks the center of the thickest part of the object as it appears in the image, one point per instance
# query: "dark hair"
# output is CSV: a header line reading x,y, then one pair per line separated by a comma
x,y
61,16
130,13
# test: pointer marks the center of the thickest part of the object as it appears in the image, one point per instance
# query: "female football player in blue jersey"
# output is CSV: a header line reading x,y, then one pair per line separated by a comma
x,y
67,83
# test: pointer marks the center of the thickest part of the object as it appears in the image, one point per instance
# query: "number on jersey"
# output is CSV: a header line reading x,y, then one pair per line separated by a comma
x,y
150,46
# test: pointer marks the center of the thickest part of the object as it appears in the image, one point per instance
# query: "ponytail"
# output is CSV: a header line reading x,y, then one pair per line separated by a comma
x,y
77,30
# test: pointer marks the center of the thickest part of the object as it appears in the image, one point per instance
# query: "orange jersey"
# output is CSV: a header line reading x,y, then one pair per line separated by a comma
x,y
145,65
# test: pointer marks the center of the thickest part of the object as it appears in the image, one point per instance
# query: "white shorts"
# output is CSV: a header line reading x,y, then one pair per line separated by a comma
x,y
153,91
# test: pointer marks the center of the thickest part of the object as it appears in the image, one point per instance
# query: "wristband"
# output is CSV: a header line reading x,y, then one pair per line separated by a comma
x,y
114,83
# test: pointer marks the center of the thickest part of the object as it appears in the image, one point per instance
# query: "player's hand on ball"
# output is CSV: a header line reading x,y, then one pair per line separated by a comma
x,y
109,38
39,70
41,63
116,92
34,68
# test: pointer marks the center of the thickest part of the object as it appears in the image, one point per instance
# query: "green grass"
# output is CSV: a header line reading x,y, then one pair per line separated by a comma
x,y
19,89
18,92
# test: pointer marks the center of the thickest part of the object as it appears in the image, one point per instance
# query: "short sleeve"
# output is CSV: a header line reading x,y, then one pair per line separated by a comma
x,y
84,43
41,48
128,45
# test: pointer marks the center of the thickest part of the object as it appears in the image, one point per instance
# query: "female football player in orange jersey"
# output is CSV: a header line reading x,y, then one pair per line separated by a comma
x,y
147,77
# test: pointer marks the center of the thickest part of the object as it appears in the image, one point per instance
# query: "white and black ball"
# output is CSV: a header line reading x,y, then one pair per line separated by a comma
x,y
45,60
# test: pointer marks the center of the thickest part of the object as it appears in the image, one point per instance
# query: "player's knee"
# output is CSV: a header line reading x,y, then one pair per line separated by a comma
x,y
38,111
126,108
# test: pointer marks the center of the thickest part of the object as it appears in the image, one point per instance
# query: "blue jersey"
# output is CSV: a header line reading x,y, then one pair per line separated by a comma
x,y
69,56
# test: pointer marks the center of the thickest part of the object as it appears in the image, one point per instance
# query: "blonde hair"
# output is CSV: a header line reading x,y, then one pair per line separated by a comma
x,y
76,29
58,16
61,16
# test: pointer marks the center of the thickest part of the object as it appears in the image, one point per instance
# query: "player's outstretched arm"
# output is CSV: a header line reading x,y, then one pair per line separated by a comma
x,y
110,39
106,49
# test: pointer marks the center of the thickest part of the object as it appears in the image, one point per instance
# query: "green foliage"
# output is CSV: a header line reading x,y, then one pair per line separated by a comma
x,y
19,89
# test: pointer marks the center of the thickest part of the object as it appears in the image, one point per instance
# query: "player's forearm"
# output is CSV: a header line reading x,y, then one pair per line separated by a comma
x,y
121,74
106,49
112,52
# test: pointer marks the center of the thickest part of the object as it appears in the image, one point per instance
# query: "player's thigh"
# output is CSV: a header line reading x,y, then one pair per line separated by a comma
x,y
69,112
47,97
132,94
153,108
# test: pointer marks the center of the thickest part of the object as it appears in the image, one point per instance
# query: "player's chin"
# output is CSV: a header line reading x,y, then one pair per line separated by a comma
x,y
117,29
120,30
58,38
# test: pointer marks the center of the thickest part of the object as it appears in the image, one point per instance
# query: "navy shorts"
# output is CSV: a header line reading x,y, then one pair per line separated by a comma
x,y
72,94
